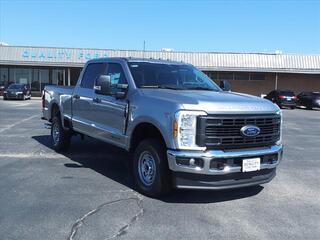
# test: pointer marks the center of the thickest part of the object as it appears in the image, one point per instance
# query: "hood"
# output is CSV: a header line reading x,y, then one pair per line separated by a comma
x,y
213,102
14,90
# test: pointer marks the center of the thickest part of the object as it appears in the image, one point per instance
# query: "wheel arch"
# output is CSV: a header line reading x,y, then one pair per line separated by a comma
x,y
143,131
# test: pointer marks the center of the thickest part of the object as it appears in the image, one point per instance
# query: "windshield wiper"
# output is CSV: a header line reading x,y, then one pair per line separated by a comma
x,y
201,88
164,86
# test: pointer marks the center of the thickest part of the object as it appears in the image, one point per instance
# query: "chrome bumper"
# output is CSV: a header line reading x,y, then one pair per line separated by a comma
x,y
210,155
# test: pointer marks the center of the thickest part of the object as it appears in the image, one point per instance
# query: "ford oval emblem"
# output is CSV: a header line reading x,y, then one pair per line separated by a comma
x,y
250,131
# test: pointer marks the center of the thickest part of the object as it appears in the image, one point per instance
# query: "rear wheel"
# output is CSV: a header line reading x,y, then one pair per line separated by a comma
x,y
60,137
150,166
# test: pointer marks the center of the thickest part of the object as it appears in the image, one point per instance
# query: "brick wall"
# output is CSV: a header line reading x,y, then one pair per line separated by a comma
x,y
286,81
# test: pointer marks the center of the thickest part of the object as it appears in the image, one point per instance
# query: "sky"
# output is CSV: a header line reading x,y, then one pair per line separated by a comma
x,y
213,26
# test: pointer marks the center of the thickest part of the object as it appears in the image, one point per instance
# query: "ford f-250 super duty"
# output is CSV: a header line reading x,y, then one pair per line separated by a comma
x,y
183,130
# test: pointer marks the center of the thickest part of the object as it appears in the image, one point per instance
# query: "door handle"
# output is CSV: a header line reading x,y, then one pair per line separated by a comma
x,y
97,100
76,96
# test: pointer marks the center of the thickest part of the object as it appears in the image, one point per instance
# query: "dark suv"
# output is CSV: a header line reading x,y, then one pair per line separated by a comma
x,y
17,91
283,98
309,99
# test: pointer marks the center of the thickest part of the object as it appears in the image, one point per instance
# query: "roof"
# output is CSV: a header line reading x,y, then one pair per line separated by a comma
x,y
207,61
134,59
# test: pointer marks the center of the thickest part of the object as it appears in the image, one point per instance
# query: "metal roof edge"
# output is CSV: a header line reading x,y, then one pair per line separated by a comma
x,y
173,52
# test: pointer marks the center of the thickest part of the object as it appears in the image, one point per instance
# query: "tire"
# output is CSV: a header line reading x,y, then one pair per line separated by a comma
x,y
60,138
150,168
309,107
293,107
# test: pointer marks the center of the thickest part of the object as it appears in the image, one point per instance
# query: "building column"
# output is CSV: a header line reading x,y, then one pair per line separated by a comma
x,y
68,76
64,77
276,83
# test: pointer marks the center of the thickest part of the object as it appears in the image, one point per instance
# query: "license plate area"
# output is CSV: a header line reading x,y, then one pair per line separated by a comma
x,y
250,164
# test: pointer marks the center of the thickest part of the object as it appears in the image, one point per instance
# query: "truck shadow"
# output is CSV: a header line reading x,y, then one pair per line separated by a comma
x,y
114,163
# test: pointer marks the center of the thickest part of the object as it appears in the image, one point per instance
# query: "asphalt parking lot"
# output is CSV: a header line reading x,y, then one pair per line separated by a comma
x,y
87,193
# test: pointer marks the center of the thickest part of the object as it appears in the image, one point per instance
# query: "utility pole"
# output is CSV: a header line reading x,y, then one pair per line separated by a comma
x,y
144,47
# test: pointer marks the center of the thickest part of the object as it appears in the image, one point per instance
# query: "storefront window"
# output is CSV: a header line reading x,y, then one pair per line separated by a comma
x,y
4,76
257,76
225,76
74,75
241,76
58,76
20,75
43,78
35,84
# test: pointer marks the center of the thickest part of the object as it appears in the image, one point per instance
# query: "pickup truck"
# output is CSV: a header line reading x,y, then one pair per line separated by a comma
x,y
182,129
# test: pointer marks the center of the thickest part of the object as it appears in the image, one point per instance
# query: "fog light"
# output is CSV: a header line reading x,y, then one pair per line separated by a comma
x,y
190,162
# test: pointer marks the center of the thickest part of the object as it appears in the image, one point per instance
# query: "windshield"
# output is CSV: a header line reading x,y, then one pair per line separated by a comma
x,y
15,86
287,93
171,76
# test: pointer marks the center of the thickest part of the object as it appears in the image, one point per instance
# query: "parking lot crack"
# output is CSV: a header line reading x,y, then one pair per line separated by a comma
x,y
122,230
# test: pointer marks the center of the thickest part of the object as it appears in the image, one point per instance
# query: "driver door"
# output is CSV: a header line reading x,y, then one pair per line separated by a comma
x,y
111,113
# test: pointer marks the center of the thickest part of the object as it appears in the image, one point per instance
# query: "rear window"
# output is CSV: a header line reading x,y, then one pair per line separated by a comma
x,y
287,93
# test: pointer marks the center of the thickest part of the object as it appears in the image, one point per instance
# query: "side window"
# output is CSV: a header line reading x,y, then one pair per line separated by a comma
x,y
116,74
91,73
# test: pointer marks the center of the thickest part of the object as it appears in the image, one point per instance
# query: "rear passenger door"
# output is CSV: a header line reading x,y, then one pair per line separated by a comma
x,y
83,118
110,113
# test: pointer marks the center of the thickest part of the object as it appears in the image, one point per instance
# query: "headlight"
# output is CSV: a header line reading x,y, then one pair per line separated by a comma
x,y
5,92
279,142
184,129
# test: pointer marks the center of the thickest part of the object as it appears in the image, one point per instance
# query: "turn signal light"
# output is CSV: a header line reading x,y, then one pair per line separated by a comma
x,y
175,129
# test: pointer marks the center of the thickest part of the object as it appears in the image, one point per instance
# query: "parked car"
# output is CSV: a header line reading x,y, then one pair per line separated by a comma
x,y
282,98
183,130
17,91
309,99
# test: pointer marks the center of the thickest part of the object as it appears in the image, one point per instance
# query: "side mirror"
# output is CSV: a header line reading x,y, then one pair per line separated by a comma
x,y
225,85
103,85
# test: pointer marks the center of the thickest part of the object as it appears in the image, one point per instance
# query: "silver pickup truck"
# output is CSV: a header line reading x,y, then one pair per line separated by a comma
x,y
184,131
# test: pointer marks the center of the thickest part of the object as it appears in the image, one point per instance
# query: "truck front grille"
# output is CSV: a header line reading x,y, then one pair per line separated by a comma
x,y
223,131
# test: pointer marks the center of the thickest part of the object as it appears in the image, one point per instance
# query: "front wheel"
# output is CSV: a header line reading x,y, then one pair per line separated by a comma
x,y
60,137
150,166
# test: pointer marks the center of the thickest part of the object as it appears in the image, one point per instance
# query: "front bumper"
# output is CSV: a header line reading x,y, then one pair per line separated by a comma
x,y
13,96
230,175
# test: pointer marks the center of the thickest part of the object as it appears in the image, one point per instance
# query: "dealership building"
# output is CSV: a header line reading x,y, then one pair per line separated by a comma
x,y
254,73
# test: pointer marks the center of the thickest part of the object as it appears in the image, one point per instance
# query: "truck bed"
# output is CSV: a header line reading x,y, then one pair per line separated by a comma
x,y
61,96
